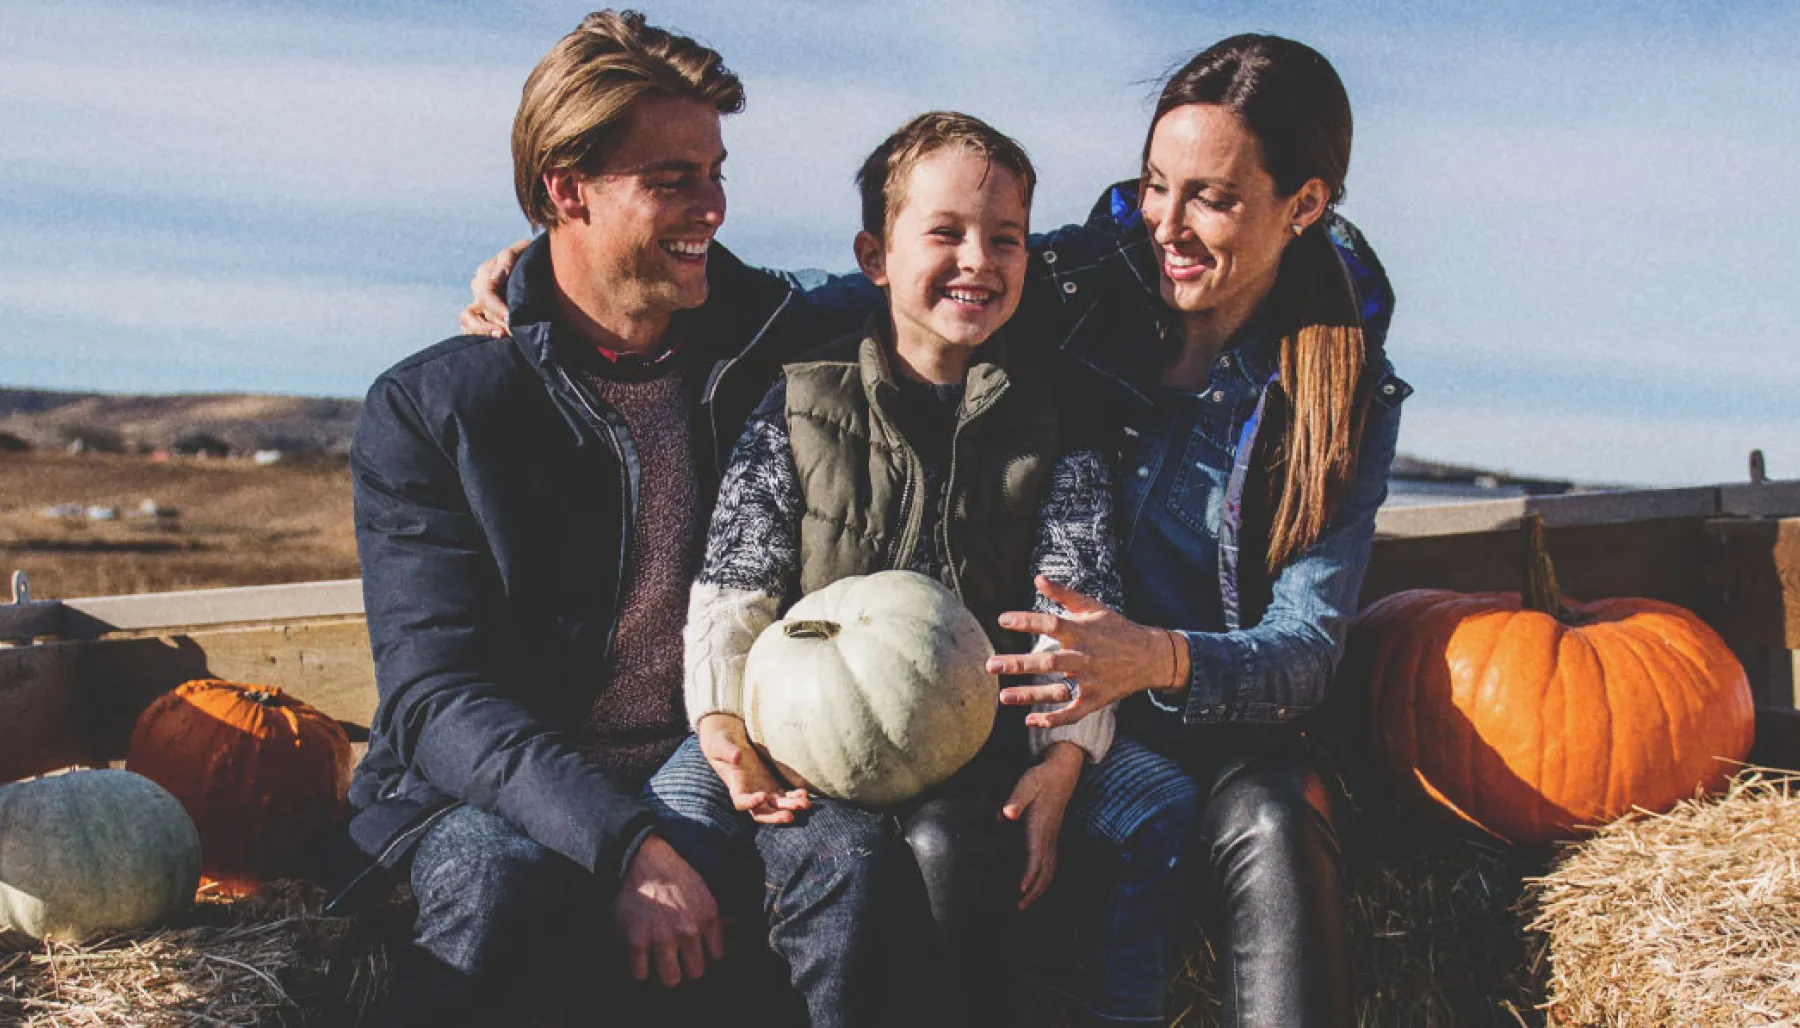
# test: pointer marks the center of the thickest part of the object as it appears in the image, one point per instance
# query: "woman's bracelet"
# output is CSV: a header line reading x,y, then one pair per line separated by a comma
x,y
1175,682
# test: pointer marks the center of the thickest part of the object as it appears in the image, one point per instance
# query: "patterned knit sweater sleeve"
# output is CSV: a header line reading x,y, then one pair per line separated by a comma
x,y
1075,546
752,564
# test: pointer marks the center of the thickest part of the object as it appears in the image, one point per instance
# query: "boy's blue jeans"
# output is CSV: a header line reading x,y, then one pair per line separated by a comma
x,y
890,916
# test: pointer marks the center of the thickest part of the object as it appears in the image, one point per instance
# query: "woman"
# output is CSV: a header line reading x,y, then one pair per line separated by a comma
x,y
1255,445
1225,329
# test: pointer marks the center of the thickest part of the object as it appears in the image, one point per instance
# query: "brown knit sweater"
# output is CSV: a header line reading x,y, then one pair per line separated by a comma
x,y
637,718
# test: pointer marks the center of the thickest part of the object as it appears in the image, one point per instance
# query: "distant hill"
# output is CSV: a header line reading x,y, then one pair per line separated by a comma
x,y
243,422
1412,469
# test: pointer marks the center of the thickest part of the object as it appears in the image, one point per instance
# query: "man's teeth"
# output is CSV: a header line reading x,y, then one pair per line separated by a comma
x,y
978,297
687,249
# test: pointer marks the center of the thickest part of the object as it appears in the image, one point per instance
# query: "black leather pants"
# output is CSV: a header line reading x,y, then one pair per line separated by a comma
x,y
1274,884
970,863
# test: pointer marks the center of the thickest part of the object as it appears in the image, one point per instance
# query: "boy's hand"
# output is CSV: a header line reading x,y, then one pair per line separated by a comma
x,y
1040,798
727,748
486,314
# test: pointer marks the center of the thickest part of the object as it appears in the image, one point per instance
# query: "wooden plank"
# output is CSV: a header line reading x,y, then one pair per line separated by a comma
x,y
1761,499
1661,559
327,664
23,622
45,710
1754,572
95,616
1570,510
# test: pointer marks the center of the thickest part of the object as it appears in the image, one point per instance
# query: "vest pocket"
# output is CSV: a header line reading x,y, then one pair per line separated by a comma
x,y
1197,497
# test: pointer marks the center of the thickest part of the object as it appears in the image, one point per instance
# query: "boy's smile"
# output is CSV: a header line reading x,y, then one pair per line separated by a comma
x,y
953,263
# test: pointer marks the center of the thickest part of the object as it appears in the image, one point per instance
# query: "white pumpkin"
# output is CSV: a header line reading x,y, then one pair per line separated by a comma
x,y
92,851
872,689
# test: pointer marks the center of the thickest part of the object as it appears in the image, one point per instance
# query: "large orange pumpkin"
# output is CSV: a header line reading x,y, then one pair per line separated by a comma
x,y
263,775
1529,717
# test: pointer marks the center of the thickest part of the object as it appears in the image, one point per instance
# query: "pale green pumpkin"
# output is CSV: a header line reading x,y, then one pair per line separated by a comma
x,y
93,851
872,689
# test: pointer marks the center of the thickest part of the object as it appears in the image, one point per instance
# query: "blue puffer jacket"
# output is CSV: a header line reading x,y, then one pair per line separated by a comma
x,y
494,498
1094,291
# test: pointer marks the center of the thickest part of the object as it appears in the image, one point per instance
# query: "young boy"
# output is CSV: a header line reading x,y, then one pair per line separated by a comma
x,y
916,446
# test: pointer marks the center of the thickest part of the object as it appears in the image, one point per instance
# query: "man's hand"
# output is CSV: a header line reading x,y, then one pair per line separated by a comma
x,y
666,914
486,314
753,788
1109,655
1041,797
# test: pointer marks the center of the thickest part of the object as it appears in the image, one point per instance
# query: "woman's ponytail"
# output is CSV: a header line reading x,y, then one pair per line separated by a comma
x,y
1325,397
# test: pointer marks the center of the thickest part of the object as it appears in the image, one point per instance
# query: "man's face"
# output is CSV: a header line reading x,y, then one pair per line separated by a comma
x,y
652,210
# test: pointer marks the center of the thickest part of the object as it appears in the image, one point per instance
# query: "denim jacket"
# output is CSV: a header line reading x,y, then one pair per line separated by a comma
x,y
1261,654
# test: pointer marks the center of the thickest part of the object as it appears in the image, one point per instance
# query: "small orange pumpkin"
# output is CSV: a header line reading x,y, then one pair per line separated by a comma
x,y
1529,717
263,775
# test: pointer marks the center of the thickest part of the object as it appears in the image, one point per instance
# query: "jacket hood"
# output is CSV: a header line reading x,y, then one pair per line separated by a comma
x,y
1118,212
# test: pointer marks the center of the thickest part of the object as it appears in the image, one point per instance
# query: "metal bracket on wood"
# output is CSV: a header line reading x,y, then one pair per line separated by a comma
x,y
25,619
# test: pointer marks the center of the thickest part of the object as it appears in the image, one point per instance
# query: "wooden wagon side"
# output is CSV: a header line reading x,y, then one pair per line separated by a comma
x,y
75,673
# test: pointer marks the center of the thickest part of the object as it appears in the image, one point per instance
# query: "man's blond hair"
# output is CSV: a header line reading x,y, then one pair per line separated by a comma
x,y
578,99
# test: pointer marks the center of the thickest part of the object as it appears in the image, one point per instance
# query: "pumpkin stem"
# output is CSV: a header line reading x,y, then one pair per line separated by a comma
x,y
1541,593
810,629
266,697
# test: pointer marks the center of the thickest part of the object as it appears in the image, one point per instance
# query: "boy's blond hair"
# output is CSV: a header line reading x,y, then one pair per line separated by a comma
x,y
578,99
882,178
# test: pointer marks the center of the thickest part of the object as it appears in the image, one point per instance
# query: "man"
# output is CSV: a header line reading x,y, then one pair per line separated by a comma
x,y
529,513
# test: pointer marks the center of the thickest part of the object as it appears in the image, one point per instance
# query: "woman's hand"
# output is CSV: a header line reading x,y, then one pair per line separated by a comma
x,y
1105,657
1040,798
486,313
753,789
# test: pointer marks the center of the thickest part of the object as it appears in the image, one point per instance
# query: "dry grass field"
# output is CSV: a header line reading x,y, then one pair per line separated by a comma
x,y
235,524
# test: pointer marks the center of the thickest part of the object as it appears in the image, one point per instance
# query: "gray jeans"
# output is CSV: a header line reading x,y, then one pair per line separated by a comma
x,y
508,929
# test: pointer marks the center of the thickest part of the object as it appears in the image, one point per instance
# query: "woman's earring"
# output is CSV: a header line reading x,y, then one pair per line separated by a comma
x,y
1297,227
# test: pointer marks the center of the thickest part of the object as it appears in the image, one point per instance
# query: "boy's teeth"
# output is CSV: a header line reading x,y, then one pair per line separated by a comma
x,y
965,296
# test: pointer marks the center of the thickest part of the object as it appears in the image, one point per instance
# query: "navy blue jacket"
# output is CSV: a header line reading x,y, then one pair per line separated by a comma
x,y
495,495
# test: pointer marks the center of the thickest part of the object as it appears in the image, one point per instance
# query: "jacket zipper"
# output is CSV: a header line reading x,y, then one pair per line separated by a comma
x,y
406,838
987,404
895,554
628,490
712,414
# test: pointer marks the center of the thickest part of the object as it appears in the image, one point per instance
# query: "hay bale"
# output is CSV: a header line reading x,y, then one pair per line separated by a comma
x,y
270,960
1685,918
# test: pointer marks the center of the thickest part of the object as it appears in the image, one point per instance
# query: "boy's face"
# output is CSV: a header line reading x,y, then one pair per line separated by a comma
x,y
953,262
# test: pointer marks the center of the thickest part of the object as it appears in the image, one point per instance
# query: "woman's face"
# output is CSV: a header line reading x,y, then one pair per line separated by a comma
x,y
1214,213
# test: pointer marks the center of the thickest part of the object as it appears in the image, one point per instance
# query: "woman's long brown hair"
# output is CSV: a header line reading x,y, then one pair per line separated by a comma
x,y
1291,99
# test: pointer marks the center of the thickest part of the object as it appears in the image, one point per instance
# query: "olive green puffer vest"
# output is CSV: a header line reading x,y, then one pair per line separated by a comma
x,y
862,483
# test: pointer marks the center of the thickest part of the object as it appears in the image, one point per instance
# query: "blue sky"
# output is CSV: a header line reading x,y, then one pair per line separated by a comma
x,y
1588,209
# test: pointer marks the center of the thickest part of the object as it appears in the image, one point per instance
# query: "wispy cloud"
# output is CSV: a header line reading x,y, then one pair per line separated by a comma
x,y
1584,207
